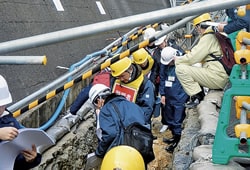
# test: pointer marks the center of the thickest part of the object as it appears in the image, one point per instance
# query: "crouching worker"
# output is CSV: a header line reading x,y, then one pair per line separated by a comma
x,y
212,73
9,126
109,120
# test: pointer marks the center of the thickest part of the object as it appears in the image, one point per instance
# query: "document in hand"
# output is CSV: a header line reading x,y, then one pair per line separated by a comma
x,y
26,137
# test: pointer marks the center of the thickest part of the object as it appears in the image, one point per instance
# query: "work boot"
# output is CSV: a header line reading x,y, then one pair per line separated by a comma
x,y
168,140
192,103
173,145
195,100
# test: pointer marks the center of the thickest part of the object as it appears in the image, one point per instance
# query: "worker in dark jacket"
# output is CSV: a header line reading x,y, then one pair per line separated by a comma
x,y
235,22
9,126
161,43
109,121
172,96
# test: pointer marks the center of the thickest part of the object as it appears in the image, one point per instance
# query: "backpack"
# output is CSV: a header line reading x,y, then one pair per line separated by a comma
x,y
138,137
227,58
102,77
141,138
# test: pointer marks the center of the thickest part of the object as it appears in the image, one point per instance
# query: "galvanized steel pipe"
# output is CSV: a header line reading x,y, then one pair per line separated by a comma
x,y
117,24
17,60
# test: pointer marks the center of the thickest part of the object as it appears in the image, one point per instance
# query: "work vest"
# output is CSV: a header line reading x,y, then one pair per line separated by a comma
x,y
145,71
129,90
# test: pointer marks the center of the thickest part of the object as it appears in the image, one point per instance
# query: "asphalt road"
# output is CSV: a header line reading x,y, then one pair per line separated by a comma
x,y
26,18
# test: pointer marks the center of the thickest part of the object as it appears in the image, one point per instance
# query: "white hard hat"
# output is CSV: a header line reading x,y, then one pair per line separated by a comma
x,y
5,96
167,55
164,26
98,90
149,32
160,40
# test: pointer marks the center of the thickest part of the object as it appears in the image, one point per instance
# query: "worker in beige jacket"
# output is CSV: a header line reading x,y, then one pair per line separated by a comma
x,y
211,75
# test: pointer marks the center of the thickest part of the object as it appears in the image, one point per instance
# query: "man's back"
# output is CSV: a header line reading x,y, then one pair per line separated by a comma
x,y
110,121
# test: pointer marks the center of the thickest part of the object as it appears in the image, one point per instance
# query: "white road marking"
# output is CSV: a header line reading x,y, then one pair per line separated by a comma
x,y
100,7
58,5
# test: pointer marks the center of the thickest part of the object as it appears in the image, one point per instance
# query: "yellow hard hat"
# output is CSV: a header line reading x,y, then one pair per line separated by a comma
x,y
124,158
202,18
120,66
140,56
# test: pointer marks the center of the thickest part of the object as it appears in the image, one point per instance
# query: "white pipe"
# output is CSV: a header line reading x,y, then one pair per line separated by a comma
x,y
23,60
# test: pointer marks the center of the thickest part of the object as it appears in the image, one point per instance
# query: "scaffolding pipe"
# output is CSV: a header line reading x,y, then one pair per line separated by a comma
x,y
134,36
116,24
34,96
246,41
246,105
19,60
59,81
101,66
243,120
61,104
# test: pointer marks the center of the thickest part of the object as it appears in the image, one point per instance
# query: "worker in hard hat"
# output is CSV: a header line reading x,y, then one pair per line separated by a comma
x,y
144,60
149,33
161,43
104,100
131,83
9,126
173,97
123,158
212,73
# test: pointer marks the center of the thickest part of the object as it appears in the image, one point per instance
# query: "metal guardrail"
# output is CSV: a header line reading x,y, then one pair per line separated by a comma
x,y
121,23
53,37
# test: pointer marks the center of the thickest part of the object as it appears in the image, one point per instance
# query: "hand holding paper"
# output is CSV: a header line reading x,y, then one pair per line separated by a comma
x,y
25,140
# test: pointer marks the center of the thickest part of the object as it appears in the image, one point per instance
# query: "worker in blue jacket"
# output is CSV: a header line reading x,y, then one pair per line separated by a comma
x,y
134,85
9,126
172,96
102,98
235,22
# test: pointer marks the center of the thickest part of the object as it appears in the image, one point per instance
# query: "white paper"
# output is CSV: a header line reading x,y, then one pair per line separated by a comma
x,y
26,137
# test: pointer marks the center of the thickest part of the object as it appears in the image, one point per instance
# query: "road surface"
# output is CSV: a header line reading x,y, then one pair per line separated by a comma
x,y
20,19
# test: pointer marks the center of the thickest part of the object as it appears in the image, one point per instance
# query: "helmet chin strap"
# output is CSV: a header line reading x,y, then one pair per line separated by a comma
x,y
129,76
130,73
102,102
